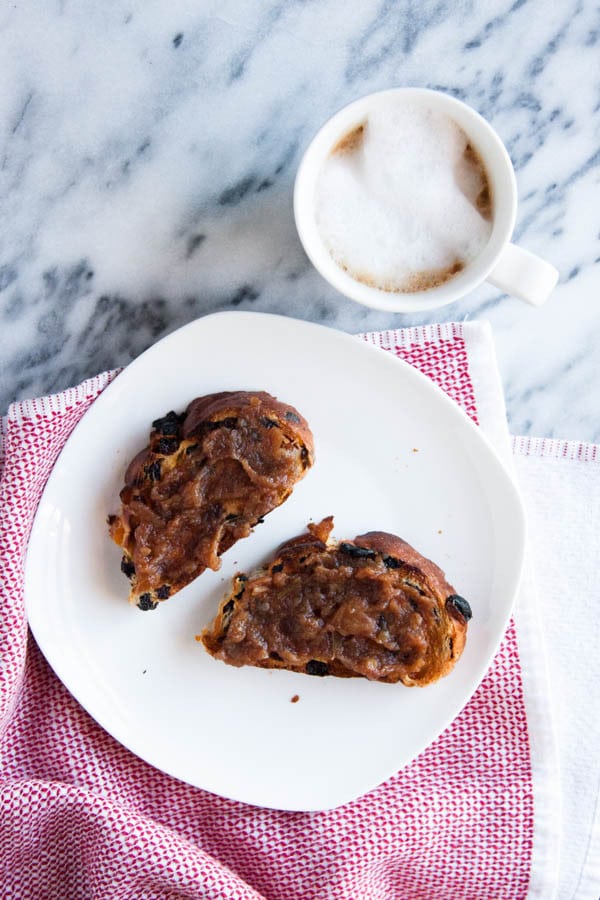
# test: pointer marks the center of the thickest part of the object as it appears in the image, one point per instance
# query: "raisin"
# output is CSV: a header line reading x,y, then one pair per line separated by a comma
x,y
152,472
168,425
460,605
228,608
274,655
358,552
230,517
259,521
277,568
189,450
391,562
269,423
167,445
292,417
146,602
316,667
242,578
164,592
239,593
127,567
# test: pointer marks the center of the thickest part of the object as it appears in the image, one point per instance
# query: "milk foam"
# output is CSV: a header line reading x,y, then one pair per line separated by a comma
x,y
397,203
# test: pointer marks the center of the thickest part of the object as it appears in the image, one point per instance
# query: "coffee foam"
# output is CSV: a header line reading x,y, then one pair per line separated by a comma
x,y
402,201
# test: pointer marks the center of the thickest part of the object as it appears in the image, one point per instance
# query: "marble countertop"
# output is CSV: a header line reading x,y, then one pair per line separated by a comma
x,y
149,151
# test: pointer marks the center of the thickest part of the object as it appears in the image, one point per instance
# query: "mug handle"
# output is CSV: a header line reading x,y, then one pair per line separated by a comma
x,y
524,275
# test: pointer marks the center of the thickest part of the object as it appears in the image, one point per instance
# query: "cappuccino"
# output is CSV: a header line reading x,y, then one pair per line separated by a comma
x,y
403,201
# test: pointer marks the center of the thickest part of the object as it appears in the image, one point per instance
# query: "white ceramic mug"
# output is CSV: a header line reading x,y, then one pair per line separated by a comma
x,y
508,267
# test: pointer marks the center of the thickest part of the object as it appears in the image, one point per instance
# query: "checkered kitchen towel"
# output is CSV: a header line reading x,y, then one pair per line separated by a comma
x,y
81,817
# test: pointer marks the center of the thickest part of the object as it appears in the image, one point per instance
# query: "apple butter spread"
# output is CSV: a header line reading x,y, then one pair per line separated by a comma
x,y
207,477
371,607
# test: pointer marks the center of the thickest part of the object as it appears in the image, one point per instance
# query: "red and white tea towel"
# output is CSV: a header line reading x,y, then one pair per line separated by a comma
x,y
560,484
475,817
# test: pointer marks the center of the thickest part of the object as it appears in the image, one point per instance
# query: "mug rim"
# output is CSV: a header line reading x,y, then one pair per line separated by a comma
x,y
499,170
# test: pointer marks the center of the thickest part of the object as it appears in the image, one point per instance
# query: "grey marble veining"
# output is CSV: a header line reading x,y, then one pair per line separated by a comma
x,y
148,152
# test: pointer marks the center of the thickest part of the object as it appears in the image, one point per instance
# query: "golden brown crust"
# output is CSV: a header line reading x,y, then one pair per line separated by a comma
x,y
391,545
231,403
205,479
372,607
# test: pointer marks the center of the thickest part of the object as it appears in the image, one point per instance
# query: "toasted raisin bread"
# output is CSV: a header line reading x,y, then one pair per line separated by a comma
x,y
371,607
206,478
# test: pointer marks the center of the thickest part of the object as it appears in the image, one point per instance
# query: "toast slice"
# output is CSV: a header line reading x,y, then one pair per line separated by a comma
x,y
371,607
206,478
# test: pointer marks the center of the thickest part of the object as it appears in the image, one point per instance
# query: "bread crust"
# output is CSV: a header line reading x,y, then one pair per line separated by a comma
x,y
205,479
408,619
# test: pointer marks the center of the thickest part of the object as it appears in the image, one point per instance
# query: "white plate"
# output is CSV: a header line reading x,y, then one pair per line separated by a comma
x,y
143,676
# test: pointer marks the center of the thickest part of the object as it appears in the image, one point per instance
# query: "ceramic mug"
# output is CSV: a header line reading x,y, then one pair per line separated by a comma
x,y
510,268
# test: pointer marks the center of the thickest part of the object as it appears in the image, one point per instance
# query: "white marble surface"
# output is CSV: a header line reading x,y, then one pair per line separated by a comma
x,y
148,151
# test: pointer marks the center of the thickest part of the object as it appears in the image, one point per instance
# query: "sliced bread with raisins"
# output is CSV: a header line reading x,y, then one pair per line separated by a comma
x,y
372,607
207,477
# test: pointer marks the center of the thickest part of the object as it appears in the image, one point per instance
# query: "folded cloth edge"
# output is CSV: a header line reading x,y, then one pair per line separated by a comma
x,y
555,448
545,859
